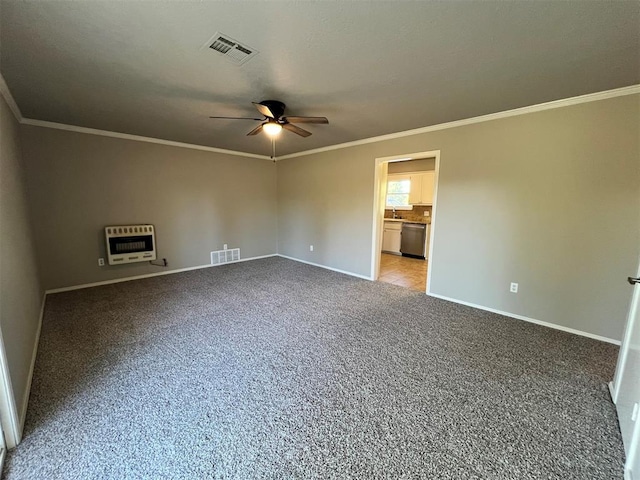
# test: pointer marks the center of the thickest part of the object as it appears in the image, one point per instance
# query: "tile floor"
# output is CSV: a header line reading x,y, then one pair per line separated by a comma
x,y
404,271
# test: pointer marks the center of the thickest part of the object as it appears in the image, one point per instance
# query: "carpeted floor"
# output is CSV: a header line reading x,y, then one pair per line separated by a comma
x,y
272,369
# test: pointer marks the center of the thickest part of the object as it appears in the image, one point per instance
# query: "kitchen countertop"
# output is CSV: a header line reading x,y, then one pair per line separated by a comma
x,y
427,220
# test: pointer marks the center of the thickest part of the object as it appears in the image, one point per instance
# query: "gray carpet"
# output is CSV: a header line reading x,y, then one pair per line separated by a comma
x,y
272,369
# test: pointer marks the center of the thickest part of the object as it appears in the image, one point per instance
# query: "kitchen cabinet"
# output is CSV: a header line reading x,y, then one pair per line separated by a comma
x,y
428,183
391,236
422,185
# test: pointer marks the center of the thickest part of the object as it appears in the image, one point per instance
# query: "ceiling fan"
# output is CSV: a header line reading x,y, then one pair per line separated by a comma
x,y
274,121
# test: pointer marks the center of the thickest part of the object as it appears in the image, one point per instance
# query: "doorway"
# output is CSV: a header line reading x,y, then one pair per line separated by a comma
x,y
387,263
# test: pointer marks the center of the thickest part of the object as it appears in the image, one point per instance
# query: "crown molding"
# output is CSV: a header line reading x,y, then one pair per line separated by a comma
x,y
138,138
565,102
6,93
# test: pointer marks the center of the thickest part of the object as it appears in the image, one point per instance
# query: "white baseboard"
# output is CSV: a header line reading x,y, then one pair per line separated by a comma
x,y
325,267
27,390
365,277
480,307
148,275
528,319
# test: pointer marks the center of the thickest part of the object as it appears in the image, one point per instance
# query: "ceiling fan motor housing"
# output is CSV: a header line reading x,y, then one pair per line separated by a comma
x,y
276,107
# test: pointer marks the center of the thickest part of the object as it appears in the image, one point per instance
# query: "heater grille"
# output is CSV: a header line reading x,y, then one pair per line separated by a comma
x,y
130,243
225,256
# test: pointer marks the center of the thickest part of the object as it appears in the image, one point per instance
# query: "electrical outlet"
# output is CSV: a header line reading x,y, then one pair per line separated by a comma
x,y
225,247
101,262
311,248
514,288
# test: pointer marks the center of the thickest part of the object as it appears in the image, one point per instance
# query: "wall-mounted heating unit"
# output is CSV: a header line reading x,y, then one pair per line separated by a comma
x,y
130,243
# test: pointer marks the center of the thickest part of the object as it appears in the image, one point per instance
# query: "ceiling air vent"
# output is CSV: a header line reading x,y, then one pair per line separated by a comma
x,y
232,50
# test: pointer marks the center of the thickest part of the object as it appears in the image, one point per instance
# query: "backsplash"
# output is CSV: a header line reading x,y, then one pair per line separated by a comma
x,y
415,215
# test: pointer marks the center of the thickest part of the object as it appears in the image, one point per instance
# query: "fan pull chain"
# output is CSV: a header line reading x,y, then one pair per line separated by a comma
x,y
273,150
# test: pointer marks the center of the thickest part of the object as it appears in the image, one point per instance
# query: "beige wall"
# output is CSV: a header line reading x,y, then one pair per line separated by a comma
x,y
20,291
197,201
547,199
325,200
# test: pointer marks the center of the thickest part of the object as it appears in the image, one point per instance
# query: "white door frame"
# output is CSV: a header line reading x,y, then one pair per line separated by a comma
x,y
634,452
8,412
614,386
633,449
379,196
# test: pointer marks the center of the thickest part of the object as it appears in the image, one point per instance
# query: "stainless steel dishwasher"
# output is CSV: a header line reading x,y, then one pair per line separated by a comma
x,y
413,239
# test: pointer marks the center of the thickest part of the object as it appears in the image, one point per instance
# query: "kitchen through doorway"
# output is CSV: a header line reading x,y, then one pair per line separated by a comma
x,y
403,271
404,219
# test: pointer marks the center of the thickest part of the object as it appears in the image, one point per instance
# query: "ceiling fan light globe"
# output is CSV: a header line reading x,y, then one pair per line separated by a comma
x,y
272,129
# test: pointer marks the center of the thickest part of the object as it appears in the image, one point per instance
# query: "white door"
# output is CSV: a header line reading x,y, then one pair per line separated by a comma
x,y
626,386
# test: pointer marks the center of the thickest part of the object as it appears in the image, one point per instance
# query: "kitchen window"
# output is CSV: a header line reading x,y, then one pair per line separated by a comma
x,y
398,188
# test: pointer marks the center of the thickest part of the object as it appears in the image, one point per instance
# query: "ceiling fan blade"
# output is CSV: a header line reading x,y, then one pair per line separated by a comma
x,y
306,119
238,118
264,110
294,129
256,130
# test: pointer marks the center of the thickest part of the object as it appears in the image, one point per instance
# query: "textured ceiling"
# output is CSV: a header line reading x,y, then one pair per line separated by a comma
x,y
372,68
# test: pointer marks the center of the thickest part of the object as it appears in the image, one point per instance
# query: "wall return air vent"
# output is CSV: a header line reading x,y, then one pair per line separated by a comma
x,y
231,49
225,256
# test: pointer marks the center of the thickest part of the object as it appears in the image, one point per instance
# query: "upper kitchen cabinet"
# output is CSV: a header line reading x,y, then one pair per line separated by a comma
x,y
421,192
428,182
